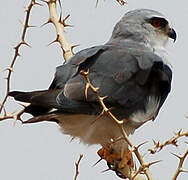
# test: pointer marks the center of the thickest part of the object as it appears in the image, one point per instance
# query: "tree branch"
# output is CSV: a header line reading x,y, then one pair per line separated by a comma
x,y
60,26
17,54
173,141
180,165
144,167
77,166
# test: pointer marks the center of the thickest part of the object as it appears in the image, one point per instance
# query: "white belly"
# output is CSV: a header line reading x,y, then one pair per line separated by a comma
x,y
91,130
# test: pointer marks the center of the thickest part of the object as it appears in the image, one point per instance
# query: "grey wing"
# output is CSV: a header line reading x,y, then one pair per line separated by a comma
x,y
44,101
122,75
125,75
67,70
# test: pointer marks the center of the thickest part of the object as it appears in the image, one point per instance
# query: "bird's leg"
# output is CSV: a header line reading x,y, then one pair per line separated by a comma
x,y
121,159
126,159
118,162
109,155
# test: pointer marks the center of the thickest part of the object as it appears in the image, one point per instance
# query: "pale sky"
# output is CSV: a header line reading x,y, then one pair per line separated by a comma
x,y
40,151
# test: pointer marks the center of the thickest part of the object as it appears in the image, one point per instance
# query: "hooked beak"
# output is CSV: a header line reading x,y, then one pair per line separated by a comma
x,y
172,34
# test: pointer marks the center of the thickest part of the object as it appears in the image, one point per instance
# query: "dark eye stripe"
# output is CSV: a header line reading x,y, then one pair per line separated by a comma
x,y
163,22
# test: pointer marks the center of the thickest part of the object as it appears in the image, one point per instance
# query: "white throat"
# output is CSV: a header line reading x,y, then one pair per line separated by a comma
x,y
158,45
161,52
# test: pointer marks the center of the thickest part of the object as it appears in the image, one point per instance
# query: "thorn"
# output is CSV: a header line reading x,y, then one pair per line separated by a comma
x,y
156,143
37,4
176,155
97,162
24,43
178,133
95,89
56,40
26,9
86,90
17,46
18,54
133,149
30,26
121,2
183,170
110,109
101,98
24,105
63,22
84,73
9,69
74,46
152,163
106,170
48,22
141,144
5,112
174,142
100,115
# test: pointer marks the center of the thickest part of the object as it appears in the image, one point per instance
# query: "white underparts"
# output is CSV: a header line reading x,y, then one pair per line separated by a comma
x,y
149,113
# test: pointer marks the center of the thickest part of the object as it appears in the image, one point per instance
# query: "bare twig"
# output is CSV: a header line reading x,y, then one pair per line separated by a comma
x,y
16,116
77,166
60,26
144,166
173,141
17,54
180,165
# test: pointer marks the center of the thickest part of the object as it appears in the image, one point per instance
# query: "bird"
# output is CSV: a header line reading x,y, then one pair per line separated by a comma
x,y
132,70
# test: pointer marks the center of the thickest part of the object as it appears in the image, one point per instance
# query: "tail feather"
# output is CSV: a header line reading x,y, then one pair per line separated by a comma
x,y
36,110
41,101
25,96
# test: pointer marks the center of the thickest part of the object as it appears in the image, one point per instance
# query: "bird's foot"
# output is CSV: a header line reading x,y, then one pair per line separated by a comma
x,y
117,161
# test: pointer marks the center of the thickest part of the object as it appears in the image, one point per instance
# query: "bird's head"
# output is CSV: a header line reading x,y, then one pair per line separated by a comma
x,y
144,26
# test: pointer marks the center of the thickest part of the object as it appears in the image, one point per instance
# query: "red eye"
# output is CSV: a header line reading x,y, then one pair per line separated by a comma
x,y
156,22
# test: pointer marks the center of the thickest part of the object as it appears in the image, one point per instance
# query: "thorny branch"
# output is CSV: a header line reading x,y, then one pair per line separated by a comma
x,y
16,55
144,167
60,26
16,116
180,165
173,141
77,166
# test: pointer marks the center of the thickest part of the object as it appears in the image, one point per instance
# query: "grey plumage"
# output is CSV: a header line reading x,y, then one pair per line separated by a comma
x,y
131,69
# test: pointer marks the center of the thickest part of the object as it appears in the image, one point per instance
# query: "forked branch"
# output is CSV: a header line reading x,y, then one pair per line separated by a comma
x,y
180,165
173,141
